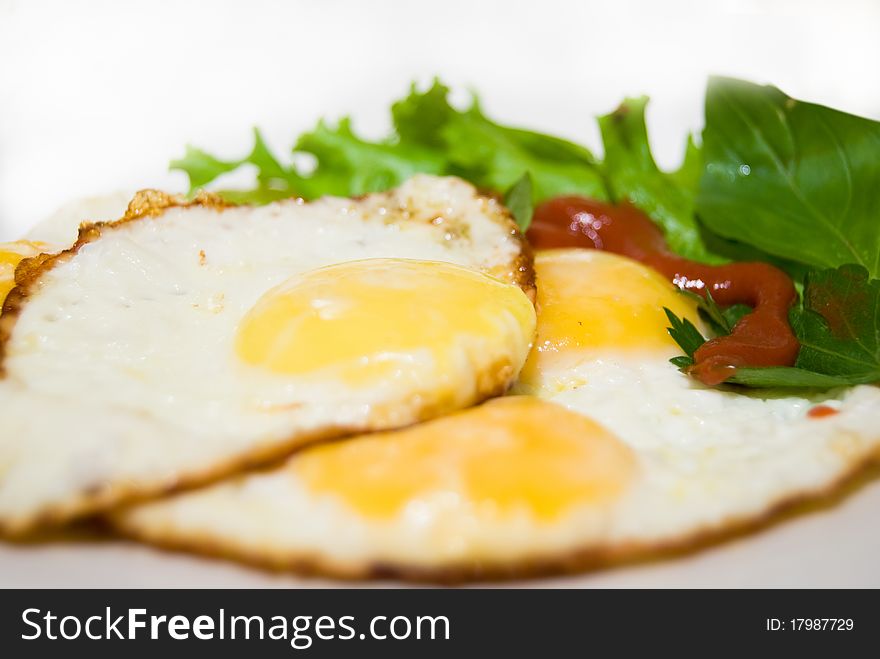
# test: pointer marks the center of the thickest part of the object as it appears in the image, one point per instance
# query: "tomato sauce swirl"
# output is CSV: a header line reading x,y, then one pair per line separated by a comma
x,y
763,337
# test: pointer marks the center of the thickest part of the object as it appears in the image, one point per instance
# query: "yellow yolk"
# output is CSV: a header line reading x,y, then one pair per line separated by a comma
x,y
370,319
11,254
592,302
508,455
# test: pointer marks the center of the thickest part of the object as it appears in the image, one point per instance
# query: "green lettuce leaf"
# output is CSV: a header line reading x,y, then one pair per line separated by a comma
x,y
493,156
273,180
348,165
519,202
430,136
632,175
202,167
796,180
419,117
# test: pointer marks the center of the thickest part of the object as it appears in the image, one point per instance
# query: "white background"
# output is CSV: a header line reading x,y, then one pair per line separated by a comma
x,y
97,96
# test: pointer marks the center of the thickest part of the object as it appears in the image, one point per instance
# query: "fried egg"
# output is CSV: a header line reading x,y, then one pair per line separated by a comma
x,y
189,339
607,453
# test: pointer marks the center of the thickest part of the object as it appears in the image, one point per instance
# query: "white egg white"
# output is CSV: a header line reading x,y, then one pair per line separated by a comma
x,y
713,459
706,461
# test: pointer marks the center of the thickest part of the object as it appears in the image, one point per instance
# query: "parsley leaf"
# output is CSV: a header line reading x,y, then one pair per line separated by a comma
x,y
720,320
685,334
838,326
689,339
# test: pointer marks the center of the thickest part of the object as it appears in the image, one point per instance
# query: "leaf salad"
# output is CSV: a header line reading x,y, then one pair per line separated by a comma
x,y
771,179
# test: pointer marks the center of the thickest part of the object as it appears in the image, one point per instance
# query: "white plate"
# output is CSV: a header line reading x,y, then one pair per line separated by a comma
x,y
85,113
833,547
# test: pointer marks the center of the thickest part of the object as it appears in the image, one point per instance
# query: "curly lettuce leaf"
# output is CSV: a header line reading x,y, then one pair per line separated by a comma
x,y
633,175
348,165
273,180
202,167
419,117
430,136
493,156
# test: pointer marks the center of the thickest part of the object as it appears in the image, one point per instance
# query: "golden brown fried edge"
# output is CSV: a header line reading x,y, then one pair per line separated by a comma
x,y
152,204
577,561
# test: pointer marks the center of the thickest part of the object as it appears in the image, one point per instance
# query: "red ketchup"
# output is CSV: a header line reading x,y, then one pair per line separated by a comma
x,y
761,338
821,411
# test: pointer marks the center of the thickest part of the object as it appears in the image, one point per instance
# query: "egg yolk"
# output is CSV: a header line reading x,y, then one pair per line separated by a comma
x,y
11,254
592,302
380,318
509,455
